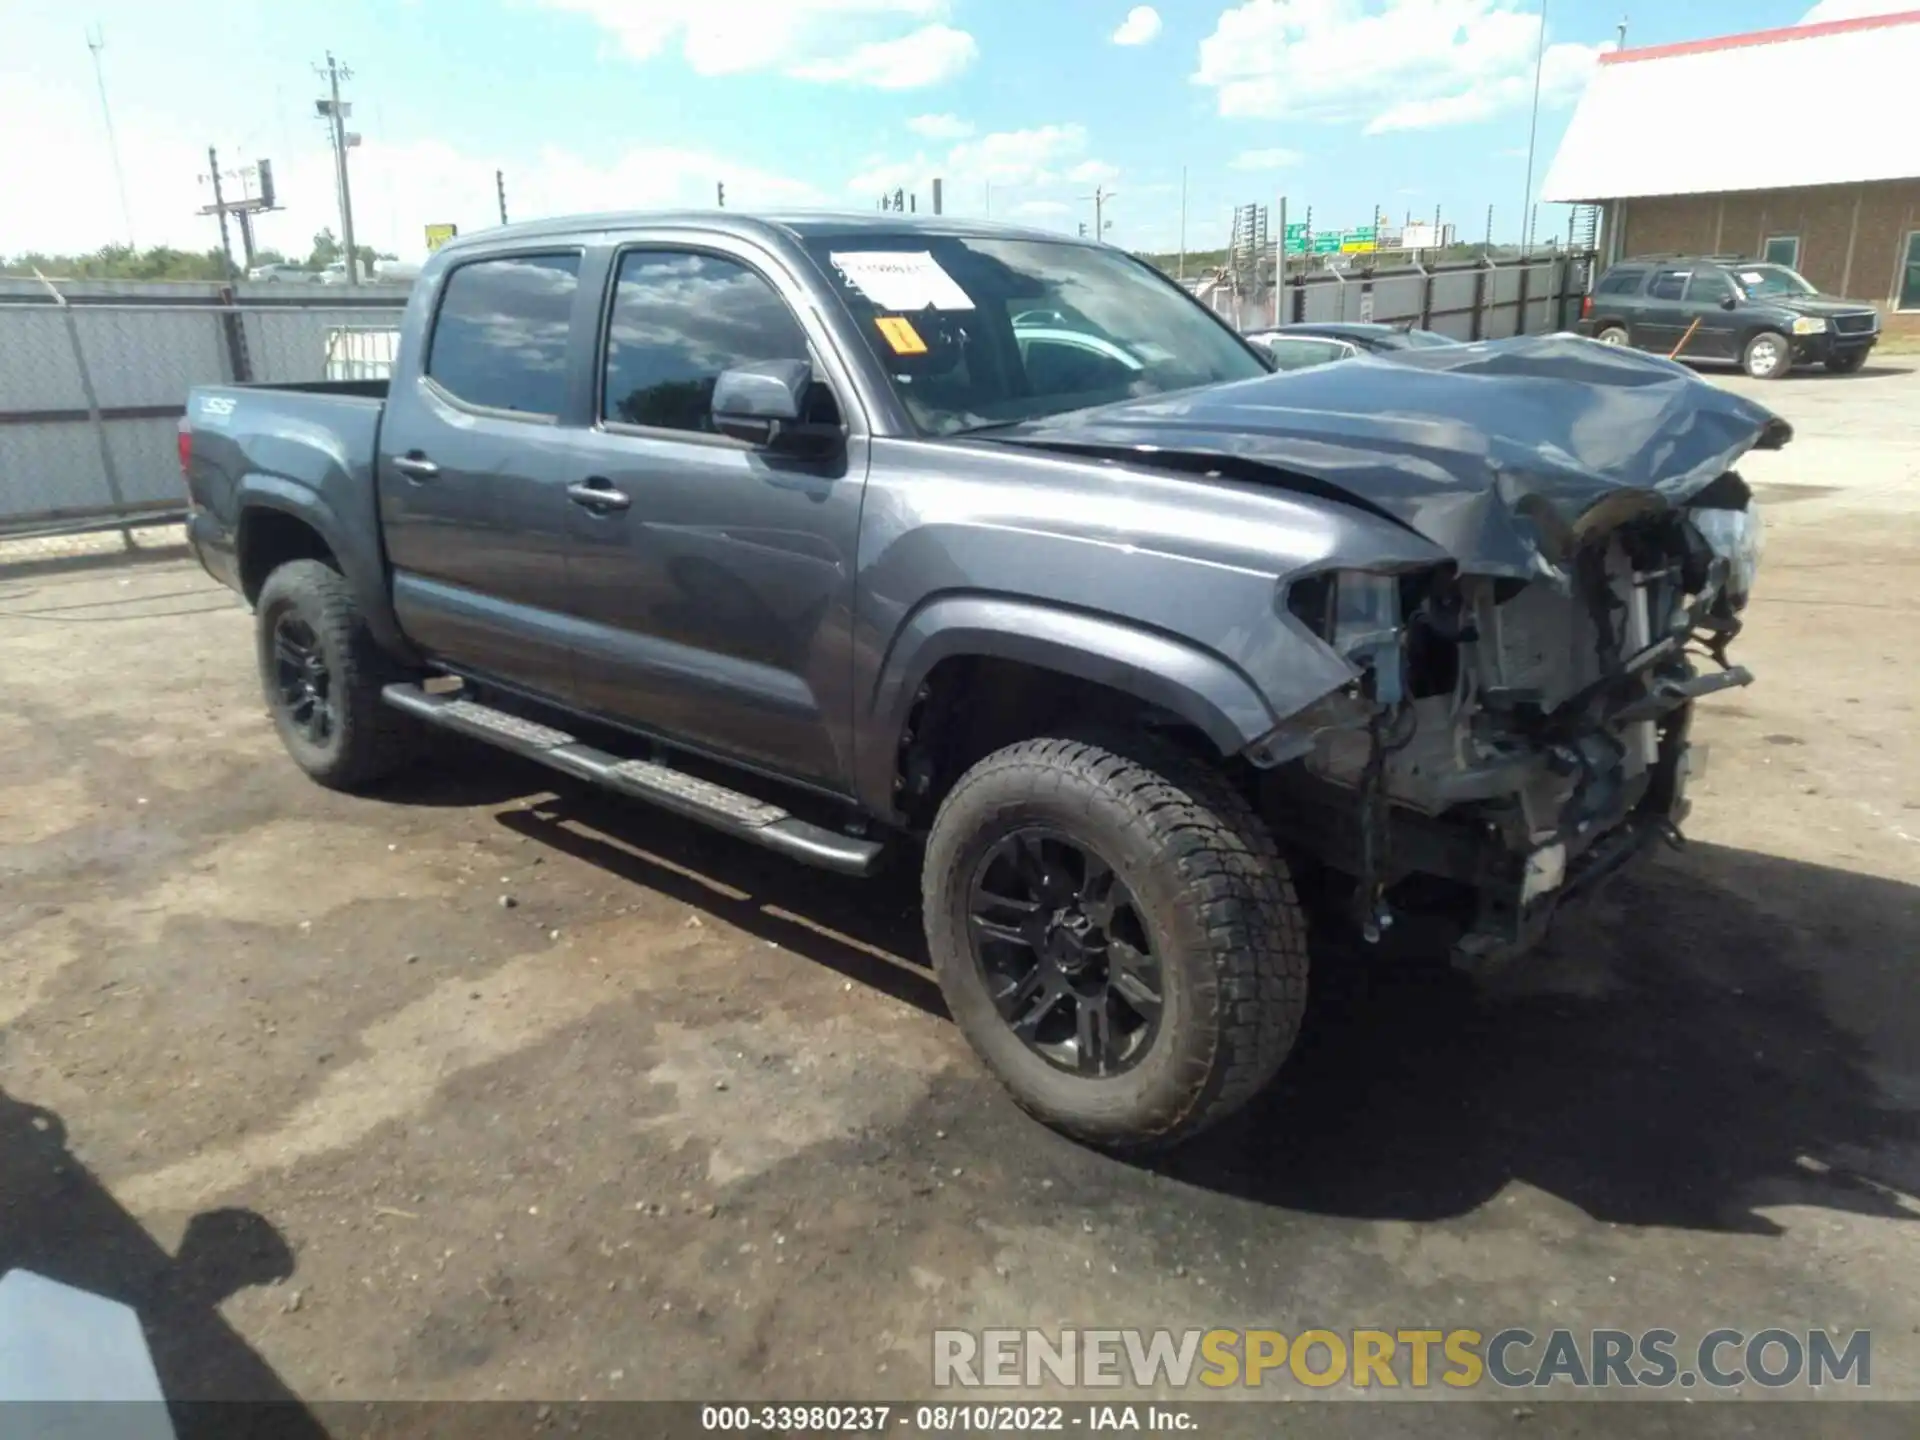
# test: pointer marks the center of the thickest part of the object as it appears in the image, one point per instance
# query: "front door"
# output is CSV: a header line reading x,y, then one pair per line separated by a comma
x,y
1718,334
714,581
473,475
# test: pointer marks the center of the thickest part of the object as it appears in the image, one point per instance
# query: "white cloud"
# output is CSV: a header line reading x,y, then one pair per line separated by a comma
x,y
940,127
888,44
1141,26
1277,158
1391,64
1852,10
926,57
1005,159
1042,209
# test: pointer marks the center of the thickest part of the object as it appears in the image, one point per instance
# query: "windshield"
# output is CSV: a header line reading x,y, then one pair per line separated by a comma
x,y
1758,282
978,332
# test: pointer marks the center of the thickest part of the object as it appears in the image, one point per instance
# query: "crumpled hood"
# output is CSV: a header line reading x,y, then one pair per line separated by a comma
x,y
1502,453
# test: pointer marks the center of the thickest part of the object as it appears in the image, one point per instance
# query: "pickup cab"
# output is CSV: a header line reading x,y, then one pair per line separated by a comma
x,y
857,536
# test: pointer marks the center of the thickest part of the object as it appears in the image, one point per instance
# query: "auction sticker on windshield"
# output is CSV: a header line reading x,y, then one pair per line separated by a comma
x,y
901,335
901,279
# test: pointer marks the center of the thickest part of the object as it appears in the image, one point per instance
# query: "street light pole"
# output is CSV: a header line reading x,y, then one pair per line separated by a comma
x,y
1533,129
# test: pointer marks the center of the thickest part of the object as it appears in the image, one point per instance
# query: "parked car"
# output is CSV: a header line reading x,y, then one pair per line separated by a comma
x,y
1368,336
334,274
1297,352
1153,666
278,274
1761,316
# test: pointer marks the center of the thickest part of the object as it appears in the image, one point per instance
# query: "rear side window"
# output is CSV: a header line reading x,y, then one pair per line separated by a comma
x,y
679,319
500,338
1620,282
1669,284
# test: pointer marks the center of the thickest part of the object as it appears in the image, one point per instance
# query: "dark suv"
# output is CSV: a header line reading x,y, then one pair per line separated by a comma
x,y
1765,317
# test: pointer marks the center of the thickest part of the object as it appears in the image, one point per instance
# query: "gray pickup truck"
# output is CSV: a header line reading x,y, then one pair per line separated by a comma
x,y
856,536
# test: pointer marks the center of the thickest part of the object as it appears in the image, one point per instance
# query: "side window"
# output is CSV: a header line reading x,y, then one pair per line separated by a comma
x,y
500,338
1708,286
1668,284
1783,250
678,320
1620,282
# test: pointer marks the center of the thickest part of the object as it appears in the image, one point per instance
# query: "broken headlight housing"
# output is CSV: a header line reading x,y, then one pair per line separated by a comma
x,y
1736,537
1358,613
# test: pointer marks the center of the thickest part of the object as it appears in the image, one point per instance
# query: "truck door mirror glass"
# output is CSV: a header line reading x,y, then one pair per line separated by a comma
x,y
1729,301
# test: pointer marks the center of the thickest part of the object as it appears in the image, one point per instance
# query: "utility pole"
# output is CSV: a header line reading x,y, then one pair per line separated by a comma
x,y
500,191
1100,197
1622,27
96,43
334,110
1533,128
720,193
220,209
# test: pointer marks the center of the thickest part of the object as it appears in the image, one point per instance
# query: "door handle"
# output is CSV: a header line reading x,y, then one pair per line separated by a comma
x,y
416,465
598,494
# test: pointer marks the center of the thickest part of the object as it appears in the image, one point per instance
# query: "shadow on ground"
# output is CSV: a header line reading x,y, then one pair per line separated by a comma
x,y
58,1221
1672,1059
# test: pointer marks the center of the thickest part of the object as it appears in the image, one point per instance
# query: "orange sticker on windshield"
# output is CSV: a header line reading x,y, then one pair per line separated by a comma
x,y
901,335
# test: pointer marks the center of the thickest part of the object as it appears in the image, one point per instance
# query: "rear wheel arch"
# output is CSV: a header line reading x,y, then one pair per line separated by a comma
x,y
269,537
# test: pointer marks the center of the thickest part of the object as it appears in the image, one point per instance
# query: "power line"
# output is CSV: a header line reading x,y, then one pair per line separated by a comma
x,y
96,43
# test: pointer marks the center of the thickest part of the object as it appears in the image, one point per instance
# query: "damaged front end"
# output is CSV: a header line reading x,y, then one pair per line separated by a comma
x,y
1507,743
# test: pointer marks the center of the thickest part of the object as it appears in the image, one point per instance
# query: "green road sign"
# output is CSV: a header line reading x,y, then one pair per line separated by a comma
x,y
1365,232
1297,239
1326,244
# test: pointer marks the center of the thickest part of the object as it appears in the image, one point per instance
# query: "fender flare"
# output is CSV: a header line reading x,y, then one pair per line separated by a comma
x,y
1198,686
365,572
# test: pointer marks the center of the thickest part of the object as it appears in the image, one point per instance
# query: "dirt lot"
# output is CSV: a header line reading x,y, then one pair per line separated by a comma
x,y
490,1087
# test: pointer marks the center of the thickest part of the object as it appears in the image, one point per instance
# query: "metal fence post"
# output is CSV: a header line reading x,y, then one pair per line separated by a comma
x,y
94,418
1478,330
1520,315
1426,297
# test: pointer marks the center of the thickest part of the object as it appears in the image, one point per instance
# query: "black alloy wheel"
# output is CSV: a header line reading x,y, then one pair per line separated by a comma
x,y
1065,954
302,679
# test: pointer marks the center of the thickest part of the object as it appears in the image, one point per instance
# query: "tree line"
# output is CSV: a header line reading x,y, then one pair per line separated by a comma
x,y
164,262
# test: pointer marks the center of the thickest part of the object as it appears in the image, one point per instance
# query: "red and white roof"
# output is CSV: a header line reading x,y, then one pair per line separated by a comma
x,y
1824,104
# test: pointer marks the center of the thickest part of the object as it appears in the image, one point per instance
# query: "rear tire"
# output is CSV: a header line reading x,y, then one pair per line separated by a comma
x,y
1195,959
1612,335
1768,356
322,671
1848,363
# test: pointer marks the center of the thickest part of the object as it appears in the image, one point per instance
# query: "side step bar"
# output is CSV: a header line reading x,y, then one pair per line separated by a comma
x,y
697,799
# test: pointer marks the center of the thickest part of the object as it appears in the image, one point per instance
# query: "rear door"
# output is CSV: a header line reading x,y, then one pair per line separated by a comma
x,y
1658,323
474,470
714,581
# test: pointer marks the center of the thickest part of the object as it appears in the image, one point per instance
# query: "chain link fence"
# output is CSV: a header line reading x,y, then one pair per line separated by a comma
x,y
94,377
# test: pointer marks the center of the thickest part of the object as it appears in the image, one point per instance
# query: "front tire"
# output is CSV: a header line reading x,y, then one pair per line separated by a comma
x,y
322,672
1768,356
1117,936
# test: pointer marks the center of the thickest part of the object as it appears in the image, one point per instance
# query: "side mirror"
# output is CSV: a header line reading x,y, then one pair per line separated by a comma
x,y
763,404
1729,301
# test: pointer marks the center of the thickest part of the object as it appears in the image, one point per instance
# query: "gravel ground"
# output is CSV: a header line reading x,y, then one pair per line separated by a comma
x,y
490,1087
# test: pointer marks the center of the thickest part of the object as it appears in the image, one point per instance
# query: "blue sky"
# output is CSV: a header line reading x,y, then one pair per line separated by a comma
x,y
1023,106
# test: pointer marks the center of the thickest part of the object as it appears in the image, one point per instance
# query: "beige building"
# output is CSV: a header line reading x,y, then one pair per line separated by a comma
x,y
1800,146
